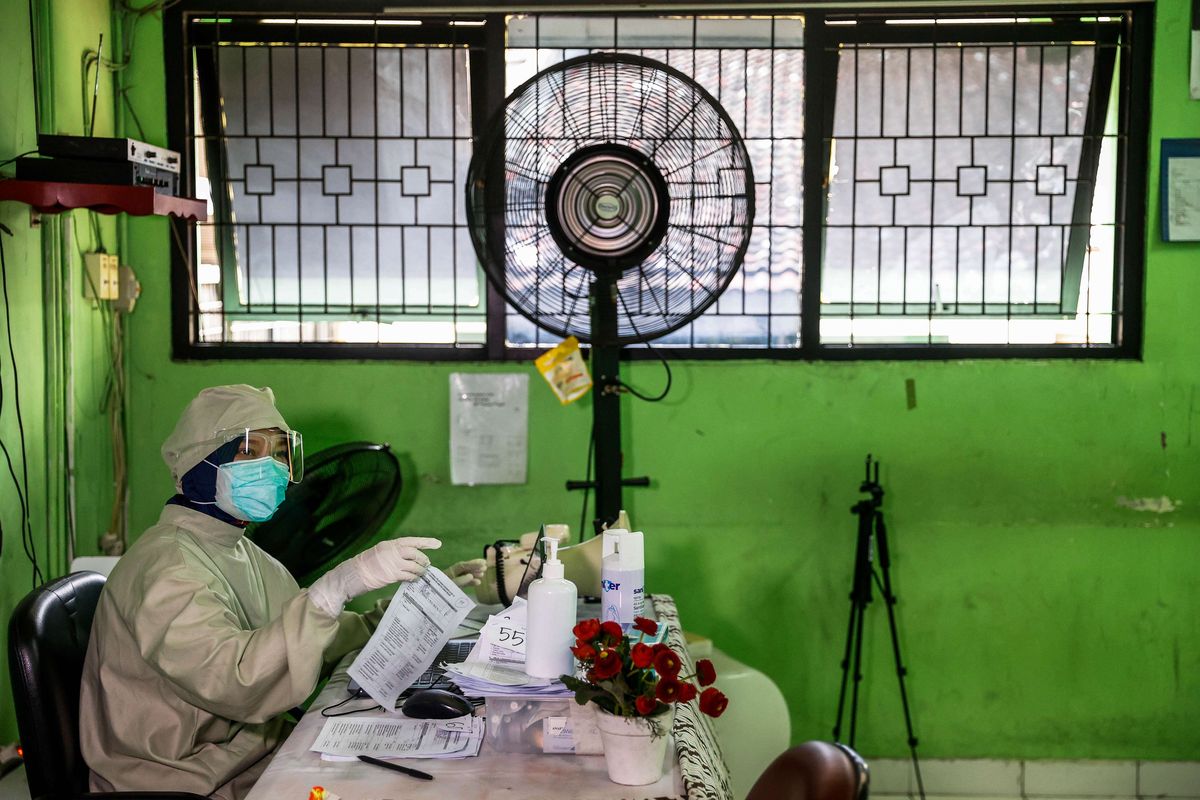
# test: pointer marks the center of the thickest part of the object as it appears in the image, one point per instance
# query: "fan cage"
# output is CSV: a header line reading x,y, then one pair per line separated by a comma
x,y
611,100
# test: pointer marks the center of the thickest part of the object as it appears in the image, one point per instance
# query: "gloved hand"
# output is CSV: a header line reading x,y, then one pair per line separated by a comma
x,y
467,573
386,563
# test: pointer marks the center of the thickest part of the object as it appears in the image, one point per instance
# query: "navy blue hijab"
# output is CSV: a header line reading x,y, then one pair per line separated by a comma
x,y
200,485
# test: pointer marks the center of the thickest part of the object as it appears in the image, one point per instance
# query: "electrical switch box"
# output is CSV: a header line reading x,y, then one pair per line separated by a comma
x,y
128,292
102,281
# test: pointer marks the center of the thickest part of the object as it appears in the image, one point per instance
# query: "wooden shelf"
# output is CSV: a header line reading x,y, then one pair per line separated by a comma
x,y
51,197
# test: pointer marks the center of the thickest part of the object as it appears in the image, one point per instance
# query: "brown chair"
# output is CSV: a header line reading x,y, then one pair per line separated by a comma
x,y
814,771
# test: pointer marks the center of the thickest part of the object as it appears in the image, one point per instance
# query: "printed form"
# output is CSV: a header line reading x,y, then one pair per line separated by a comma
x,y
421,618
400,738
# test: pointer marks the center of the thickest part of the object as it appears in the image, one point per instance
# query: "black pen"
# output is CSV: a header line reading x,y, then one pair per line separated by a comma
x,y
416,773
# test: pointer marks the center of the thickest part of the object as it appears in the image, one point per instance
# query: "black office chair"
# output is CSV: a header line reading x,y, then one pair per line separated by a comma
x,y
814,771
47,640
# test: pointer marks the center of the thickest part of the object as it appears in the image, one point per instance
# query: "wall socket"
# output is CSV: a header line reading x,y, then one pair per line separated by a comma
x,y
103,280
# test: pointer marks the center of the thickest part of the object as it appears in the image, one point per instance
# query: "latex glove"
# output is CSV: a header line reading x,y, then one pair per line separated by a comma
x,y
467,573
386,563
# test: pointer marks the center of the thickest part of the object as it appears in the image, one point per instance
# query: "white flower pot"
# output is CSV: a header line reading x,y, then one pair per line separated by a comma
x,y
633,754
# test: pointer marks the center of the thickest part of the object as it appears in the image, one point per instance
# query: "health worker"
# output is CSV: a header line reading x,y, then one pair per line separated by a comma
x,y
201,641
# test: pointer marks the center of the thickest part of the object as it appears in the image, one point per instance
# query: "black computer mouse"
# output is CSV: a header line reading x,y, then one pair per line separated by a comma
x,y
436,704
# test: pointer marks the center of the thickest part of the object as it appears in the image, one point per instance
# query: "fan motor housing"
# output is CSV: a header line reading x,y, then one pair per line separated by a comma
x,y
607,207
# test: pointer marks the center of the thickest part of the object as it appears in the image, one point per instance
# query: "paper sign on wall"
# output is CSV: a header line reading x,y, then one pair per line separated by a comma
x,y
1194,72
489,427
1179,193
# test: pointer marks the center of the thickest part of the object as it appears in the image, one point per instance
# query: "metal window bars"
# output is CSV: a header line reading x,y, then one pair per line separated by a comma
x,y
973,190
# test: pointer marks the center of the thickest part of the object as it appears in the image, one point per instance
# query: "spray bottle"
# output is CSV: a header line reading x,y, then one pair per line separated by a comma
x,y
548,633
622,576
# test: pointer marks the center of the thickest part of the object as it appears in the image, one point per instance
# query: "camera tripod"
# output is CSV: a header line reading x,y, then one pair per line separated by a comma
x,y
871,541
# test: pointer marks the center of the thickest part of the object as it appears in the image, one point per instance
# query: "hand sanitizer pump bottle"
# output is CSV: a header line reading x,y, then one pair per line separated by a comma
x,y
622,576
548,633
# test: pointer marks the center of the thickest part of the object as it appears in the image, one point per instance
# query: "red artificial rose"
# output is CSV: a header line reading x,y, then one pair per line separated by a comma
x,y
666,663
641,655
712,702
706,673
647,626
587,630
660,648
608,664
612,630
646,705
584,651
667,690
687,692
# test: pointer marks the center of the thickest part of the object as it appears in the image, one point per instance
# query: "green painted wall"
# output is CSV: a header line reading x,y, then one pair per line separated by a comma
x,y
58,338
1040,618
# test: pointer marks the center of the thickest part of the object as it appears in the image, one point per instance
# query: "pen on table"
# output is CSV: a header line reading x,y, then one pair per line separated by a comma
x,y
416,773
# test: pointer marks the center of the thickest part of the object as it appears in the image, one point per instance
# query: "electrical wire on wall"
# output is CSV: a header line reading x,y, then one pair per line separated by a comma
x,y
112,405
90,59
33,60
587,480
21,485
113,397
666,365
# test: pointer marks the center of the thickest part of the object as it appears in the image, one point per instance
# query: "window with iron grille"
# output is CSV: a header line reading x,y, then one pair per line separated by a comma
x,y
334,166
972,175
968,186
754,67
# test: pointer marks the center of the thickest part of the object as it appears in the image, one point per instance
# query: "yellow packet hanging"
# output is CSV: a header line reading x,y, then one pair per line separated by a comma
x,y
564,369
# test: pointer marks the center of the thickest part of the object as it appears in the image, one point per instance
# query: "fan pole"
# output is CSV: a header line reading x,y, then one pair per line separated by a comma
x,y
606,400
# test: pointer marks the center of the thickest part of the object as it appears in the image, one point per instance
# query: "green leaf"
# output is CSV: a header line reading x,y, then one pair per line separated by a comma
x,y
574,684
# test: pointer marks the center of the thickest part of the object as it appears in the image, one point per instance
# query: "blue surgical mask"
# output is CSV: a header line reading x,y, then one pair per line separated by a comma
x,y
251,490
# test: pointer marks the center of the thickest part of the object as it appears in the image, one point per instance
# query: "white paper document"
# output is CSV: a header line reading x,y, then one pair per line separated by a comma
x,y
502,638
418,622
1194,72
489,427
1183,188
496,664
400,737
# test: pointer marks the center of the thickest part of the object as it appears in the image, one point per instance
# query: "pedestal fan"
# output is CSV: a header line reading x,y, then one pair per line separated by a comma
x,y
610,198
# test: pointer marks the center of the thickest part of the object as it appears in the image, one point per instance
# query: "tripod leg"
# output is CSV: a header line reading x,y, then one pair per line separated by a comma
x,y
860,595
837,727
858,637
885,588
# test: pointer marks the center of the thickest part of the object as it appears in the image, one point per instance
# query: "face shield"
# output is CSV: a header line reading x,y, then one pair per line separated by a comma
x,y
286,447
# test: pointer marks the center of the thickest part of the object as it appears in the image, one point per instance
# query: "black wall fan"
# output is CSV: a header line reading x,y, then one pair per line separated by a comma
x,y
348,492
610,199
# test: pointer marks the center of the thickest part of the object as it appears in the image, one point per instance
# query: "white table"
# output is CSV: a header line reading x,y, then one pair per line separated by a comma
x,y
295,769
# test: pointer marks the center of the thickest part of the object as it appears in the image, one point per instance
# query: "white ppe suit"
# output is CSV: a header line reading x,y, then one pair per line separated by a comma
x,y
201,640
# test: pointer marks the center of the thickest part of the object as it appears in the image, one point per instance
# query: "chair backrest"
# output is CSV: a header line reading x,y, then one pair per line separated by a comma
x,y
47,641
813,771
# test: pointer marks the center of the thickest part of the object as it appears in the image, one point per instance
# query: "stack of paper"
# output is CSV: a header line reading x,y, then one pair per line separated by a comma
x,y
489,680
496,665
399,737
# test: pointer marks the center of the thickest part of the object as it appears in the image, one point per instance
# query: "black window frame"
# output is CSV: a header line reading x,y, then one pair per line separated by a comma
x,y
1136,28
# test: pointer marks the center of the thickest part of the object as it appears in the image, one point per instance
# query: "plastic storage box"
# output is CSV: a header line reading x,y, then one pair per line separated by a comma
x,y
542,725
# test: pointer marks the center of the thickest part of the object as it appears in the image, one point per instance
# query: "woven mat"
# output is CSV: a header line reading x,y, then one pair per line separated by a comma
x,y
705,774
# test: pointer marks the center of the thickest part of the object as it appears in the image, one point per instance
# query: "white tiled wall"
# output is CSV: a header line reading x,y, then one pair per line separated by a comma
x,y
987,779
